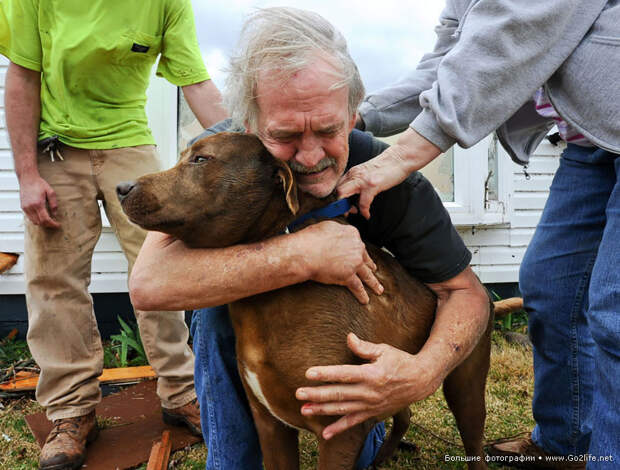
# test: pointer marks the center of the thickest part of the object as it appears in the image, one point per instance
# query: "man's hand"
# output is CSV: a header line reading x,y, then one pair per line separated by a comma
x,y
391,381
410,153
335,254
38,201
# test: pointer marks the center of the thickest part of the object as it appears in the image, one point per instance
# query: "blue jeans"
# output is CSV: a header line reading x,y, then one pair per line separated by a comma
x,y
570,280
225,416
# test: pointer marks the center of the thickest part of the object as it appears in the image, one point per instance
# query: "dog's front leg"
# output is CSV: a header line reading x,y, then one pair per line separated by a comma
x,y
342,451
278,442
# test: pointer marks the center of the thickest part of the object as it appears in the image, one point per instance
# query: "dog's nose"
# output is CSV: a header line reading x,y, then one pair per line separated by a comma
x,y
123,189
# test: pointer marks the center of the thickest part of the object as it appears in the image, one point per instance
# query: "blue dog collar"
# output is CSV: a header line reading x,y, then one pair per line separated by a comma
x,y
330,211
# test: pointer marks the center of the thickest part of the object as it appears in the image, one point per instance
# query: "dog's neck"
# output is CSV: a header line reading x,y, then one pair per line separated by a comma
x,y
278,216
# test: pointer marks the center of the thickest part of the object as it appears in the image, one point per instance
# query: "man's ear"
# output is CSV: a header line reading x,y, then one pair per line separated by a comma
x,y
352,120
290,188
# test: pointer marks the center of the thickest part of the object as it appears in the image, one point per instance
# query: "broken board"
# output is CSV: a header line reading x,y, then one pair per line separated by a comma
x,y
134,422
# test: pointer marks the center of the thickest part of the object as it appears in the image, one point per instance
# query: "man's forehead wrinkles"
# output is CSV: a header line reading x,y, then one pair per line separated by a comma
x,y
314,123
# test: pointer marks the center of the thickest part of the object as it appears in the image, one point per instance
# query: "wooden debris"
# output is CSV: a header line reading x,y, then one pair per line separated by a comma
x,y
506,306
11,336
7,261
160,453
25,380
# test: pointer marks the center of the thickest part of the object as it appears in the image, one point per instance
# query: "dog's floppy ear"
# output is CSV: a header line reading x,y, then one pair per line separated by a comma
x,y
290,188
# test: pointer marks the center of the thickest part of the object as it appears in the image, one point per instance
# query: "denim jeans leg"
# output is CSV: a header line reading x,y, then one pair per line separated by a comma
x,y
554,279
604,320
226,420
371,447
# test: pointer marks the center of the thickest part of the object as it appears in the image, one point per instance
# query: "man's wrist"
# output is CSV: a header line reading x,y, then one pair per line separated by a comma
x,y
301,263
414,150
27,173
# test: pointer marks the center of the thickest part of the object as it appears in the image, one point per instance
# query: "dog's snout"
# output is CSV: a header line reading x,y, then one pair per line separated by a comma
x,y
123,189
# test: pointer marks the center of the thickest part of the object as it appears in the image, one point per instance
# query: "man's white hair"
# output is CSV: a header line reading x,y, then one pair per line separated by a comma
x,y
286,41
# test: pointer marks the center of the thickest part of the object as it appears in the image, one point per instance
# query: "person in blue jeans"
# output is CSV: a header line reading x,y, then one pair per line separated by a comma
x,y
519,68
294,84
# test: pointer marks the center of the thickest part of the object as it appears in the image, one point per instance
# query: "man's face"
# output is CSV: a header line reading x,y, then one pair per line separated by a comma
x,y
304,123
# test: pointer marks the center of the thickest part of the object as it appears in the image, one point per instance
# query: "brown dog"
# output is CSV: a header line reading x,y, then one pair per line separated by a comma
x,y
228,189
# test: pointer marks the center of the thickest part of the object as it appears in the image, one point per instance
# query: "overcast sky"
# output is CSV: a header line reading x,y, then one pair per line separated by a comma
x,y
386,37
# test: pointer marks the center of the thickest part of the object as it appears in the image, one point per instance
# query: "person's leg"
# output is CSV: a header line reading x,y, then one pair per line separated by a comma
x,y
62,330
554,280
372,446
164,334
604,321
227,424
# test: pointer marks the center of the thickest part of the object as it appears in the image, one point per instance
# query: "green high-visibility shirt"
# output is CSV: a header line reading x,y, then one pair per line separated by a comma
x,y
95,59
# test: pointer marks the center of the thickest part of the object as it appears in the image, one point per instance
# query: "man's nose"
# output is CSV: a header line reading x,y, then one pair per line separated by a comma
x,y
123,189
310,154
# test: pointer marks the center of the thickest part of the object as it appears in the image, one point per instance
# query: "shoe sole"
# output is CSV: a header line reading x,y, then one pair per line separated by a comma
x,y
175,420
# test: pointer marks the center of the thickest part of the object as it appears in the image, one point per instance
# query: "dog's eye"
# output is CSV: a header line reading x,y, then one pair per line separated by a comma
x,y
202,158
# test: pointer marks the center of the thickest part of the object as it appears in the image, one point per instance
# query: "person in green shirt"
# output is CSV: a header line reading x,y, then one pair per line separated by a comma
x,y
76,84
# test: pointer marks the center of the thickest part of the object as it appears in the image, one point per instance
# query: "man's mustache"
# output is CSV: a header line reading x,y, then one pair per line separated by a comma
x,y
304,170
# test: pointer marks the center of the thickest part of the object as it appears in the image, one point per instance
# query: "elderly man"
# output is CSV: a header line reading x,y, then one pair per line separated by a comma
x,y
294,84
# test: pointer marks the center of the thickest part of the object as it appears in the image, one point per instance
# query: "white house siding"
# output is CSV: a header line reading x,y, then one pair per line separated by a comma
x,y
498,250
109,266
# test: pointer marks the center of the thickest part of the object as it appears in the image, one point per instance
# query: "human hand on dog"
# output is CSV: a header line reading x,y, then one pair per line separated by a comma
x,y
391,381
410,153
336,254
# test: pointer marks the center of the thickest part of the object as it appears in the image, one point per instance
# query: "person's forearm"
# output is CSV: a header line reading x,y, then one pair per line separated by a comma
x,y
414,150
460,321
205,101
23,110
169,276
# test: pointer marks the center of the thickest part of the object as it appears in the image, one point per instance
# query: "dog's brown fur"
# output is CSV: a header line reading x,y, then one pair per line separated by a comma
x,y
238,193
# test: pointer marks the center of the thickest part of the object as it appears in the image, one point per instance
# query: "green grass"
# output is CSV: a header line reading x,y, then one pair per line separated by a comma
x,y
18,449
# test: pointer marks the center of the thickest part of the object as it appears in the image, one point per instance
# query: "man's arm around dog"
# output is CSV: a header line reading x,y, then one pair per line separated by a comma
x,y
328,252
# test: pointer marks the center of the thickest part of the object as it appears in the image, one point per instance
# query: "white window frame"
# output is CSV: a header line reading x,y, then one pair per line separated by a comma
x,y
471,170
162,113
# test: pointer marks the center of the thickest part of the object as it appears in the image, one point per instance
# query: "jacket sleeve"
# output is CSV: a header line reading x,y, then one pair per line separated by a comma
x,y
506,50
390,110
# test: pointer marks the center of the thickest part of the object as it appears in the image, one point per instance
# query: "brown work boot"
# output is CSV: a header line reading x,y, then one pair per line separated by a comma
x,y
186,415
65,446
523,453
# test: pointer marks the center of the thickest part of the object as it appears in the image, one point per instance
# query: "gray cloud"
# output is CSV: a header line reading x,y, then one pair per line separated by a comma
x,y
386,38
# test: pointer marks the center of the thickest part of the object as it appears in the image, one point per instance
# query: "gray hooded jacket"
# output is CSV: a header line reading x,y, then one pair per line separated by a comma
x,y
489,59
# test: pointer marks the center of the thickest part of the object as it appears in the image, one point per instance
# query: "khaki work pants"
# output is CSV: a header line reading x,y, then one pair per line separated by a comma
x,y
62,334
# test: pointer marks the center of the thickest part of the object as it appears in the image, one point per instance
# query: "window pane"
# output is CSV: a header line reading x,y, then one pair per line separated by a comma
x,y
189,127
440,172
491,182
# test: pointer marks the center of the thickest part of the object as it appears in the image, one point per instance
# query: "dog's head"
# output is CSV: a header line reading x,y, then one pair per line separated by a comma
x,y
226,189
